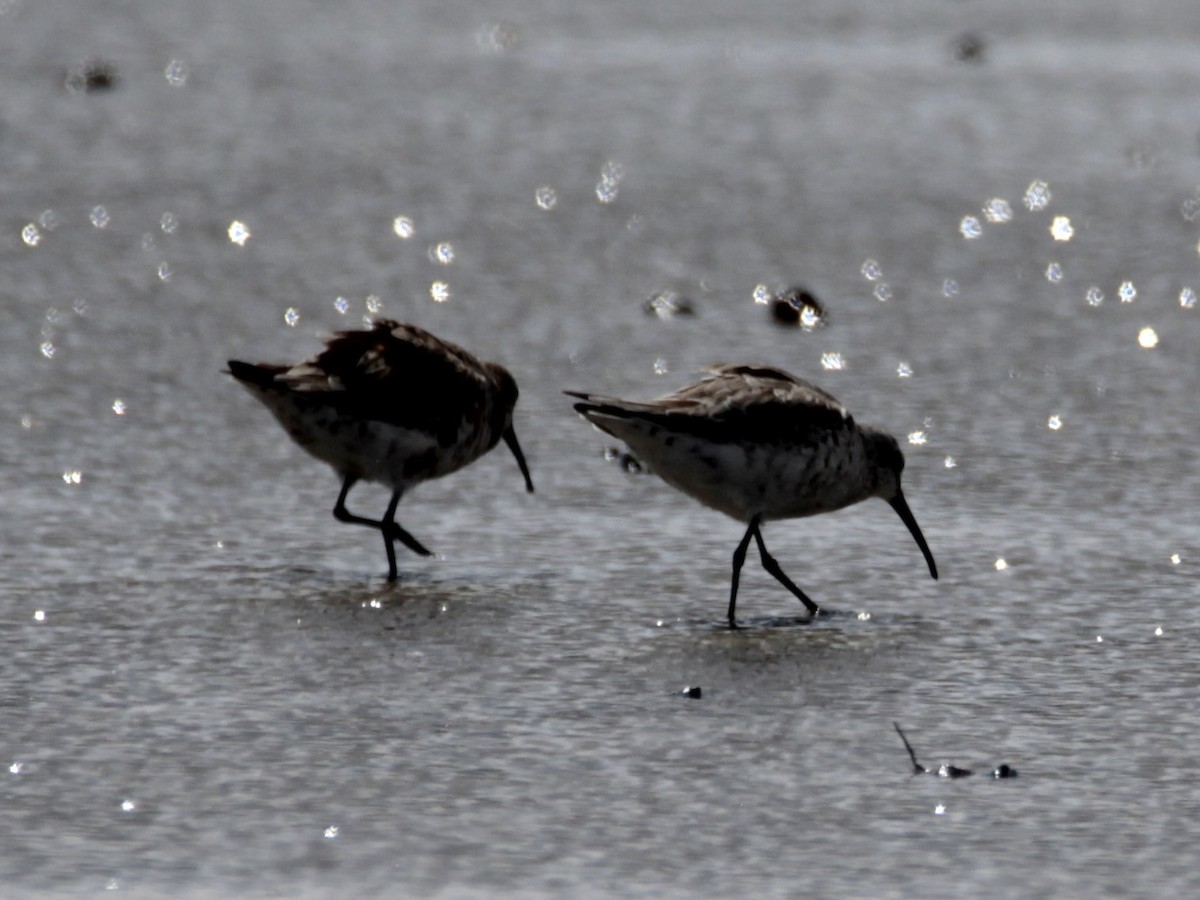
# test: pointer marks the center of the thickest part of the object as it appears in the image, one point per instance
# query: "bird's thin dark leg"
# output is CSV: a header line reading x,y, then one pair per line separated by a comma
x,y
388,526
344,515
393,529
739,558
388,520
771,566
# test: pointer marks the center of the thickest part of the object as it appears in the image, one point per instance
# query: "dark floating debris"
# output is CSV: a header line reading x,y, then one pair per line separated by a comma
x,y
798,306
692,693
623,458
669,305
946,770
969,47
91,76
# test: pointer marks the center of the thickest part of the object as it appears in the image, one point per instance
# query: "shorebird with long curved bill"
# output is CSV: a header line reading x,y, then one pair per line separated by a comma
x,y
393,404
758,443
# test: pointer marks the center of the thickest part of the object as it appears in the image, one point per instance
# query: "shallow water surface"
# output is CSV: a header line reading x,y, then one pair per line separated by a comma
x,y
208,687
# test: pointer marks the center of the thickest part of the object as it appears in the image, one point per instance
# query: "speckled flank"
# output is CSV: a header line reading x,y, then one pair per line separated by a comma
x,y
748,443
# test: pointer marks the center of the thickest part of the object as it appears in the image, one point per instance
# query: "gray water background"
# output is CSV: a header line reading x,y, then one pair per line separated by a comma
x,y
206,685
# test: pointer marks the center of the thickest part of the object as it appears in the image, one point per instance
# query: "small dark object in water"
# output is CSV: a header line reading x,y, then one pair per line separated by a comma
x,y
784,313
668,305
946,770
624,459
797,306
692,693
90,76
968,47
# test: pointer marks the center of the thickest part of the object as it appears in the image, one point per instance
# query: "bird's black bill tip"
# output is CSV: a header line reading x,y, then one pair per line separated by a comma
x,y
510,438
899,504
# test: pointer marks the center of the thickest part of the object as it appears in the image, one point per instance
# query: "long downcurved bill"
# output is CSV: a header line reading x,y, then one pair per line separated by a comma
x,y
901,507
510,438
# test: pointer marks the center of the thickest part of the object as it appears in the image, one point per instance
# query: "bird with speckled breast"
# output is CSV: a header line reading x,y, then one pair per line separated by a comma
x,y
758,443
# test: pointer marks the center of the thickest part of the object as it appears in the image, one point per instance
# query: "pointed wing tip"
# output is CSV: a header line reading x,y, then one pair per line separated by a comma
x,y
589,403
249,373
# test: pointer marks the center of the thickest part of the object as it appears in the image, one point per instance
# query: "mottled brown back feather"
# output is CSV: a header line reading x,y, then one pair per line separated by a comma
x,y
400,375
758,404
